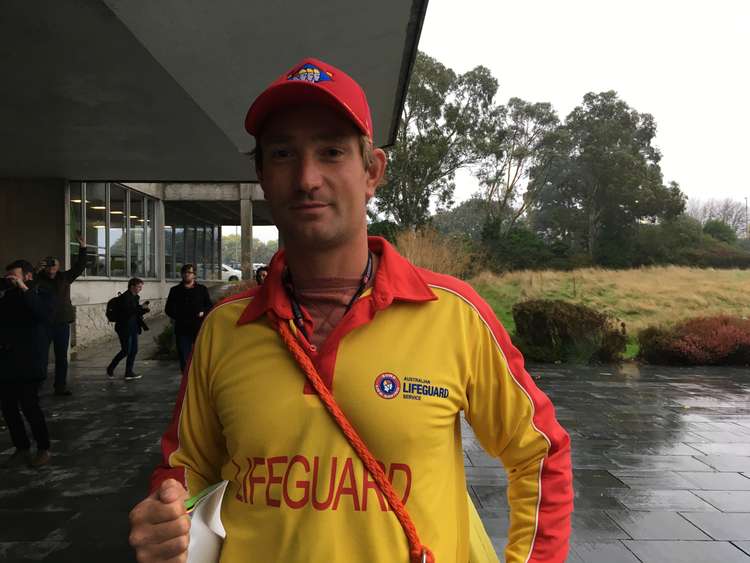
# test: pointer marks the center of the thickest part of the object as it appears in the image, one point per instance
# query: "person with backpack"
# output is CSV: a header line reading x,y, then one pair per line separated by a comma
x,y
25,309
330,398
127,312
187,304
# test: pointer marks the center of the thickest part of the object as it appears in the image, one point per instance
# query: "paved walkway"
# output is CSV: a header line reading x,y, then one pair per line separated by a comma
x,y
661,462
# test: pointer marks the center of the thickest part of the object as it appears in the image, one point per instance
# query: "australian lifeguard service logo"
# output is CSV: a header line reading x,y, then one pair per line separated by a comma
x,y
310,73
387,385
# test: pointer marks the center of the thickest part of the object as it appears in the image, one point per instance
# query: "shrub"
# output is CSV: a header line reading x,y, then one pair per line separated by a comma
x,y
558,331
166,347
719,340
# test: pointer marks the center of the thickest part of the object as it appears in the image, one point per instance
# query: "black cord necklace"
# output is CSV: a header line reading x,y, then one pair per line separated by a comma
x,y
299,319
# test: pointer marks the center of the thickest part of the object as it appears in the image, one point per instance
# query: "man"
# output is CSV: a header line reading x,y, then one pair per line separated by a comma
x,y
404,350
25,310
260,275
128,326
187,305
58,284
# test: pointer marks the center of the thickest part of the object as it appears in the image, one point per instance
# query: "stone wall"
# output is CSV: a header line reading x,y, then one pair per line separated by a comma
x,y
92,326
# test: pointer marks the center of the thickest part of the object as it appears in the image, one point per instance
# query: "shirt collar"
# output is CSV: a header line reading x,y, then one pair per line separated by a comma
x,y
395,280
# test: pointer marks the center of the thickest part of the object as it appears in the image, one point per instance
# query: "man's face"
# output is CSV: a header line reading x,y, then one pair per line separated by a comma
x,y
19,275
188,276
262,276
52,269
136,288
313,176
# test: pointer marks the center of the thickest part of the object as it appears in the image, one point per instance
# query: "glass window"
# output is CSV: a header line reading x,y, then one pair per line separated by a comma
x,y
150,238
96,228
117,232
76,218
179,250
168,255
190,245
136,235
200,253
217,253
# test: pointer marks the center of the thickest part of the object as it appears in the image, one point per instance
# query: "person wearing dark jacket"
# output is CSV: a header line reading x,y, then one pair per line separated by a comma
x,y
128,326
187,306
25,310
58,283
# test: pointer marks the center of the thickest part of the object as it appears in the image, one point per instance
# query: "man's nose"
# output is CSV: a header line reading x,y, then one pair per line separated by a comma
x,y
309,173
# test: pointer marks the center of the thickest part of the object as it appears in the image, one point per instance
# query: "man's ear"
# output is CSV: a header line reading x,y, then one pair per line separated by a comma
x,y
376,172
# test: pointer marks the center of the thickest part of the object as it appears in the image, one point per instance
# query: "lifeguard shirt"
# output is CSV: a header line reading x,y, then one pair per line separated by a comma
x,y
414,352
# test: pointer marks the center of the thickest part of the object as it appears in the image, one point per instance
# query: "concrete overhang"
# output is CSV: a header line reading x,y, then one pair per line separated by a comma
x,y
144,91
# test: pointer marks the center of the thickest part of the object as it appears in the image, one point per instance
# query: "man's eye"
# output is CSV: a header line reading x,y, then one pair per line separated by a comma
x,y
333,152
280,153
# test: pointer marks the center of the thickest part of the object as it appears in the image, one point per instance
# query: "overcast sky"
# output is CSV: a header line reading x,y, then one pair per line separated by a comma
x,y
687,63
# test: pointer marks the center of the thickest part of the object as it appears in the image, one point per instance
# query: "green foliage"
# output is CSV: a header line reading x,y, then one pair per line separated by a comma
x,y
682,241
445,117
558,331
515,146
720,231
166,347
720,340
600,177
518,249
466,219
386,229
262,251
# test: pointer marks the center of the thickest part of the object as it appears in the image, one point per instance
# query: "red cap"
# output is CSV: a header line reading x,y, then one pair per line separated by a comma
x,y
312,80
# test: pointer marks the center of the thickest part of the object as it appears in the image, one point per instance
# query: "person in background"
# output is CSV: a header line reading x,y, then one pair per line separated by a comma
x,y
260,275
58,283
128,326
25,310
187,305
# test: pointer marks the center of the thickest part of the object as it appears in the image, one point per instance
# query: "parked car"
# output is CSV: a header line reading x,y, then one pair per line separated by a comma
x,y
230,274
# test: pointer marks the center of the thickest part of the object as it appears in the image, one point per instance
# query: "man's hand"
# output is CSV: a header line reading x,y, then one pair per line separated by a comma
x,y
17,282
159,525
79,238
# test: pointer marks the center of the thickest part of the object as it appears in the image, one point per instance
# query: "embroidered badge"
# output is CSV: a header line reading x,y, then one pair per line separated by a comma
x,y
387,385
310,73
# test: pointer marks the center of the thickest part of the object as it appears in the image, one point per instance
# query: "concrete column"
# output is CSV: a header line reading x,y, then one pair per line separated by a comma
x,y
246,231
161,251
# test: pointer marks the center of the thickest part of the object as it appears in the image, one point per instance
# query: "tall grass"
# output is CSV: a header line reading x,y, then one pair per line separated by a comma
x,y
429,249
639,297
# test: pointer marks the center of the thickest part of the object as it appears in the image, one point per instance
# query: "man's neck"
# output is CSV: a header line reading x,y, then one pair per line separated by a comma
x,y
346,262
189,284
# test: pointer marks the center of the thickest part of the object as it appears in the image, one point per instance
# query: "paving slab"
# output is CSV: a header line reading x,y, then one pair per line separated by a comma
x,y
732,527
727,501
686,552
657,525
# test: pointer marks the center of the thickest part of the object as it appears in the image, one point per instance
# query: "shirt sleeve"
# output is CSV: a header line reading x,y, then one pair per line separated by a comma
x,y
78,267
193,447
515,421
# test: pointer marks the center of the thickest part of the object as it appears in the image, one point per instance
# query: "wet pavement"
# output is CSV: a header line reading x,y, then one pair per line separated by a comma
x,y
661,460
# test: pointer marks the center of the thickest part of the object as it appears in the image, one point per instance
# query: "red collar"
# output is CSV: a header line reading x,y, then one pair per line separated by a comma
x,y
395,280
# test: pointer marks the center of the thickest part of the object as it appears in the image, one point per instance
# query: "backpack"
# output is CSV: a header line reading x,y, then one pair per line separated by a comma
x,y
113,309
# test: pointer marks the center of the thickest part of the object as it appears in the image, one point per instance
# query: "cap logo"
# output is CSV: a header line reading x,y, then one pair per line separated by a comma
x,y
310,73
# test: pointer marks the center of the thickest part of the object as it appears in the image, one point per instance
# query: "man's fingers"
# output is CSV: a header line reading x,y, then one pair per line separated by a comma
x,y
151,511
174,550
171,491
160,533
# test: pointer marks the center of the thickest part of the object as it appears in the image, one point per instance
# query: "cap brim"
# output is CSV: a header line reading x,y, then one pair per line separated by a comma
x,y
295,92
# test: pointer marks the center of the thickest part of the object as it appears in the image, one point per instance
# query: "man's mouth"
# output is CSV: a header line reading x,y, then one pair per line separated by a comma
x,y
308,205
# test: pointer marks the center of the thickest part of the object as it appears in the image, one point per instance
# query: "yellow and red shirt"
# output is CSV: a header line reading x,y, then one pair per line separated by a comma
x,y
413,353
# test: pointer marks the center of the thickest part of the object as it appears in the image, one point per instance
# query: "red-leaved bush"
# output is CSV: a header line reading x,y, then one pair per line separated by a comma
x,y
720,340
